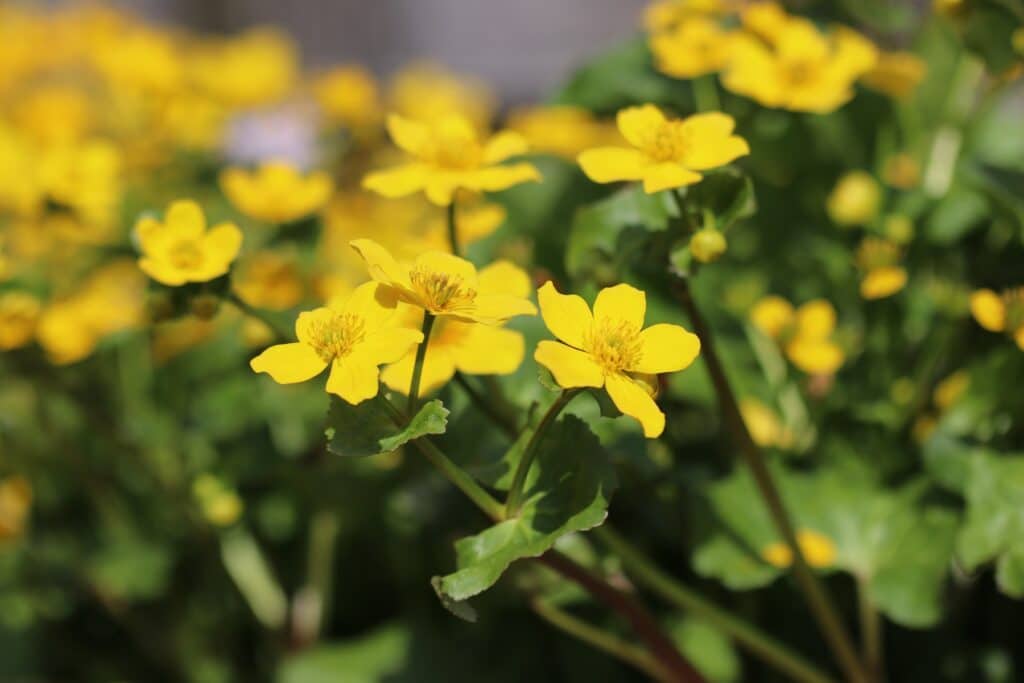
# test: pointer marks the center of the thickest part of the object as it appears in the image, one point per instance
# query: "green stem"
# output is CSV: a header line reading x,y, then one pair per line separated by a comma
x,y
453,234
820,604
310,607
417,368
746,635
496,415
239,303
600,639
705,92
515,492
870,632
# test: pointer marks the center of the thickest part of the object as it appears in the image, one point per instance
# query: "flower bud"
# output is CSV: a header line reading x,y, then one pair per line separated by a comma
x,y
855,199
707,245
899,228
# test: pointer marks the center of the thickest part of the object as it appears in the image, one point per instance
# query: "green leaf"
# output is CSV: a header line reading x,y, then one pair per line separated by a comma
x,y
989,33
994,527
369,429
707,648
567,490
598,227
957,214
728,193
375,657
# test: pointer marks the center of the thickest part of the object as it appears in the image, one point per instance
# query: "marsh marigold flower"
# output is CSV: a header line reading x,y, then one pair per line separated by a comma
x,y
663,15
180,249
276,192
449,155
1001,312
269,279
897,74
442,284
254,68
855,199
880,262
348,95
665,153
468,348
561,130
693,48
805,333
354,338
19,314
428,92
818,549
765,427
610,348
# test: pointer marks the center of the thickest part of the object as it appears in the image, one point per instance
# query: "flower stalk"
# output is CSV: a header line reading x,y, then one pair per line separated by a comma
x,y
417,369
453,232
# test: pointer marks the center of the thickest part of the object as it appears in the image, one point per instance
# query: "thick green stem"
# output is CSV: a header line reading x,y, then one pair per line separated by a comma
x,y
705,92
453,229
417,368
516,492
644,571
871,634
821,606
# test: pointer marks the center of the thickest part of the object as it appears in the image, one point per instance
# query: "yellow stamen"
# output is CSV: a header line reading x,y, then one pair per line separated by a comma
x,y
669,142
186,255
614,344
335,337
442,292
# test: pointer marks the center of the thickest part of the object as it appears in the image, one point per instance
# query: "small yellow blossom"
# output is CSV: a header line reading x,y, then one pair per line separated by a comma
x,y
883,276
15,501
665,153
901,171
693,48
348,96
804,333
255,68
441,284
468,348
181,250
561,130
276,192
764,425
818,549
83,182
786,62
896,74
1000,312
449,155
269,279
429,92
899,228
855,200
663,15
949,390
353,338
19,315
610,348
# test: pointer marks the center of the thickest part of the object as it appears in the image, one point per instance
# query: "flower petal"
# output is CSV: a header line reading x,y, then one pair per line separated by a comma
x,y
389,344
374,302
988,309
447,264
485,350
495,178
570,367
438,368
381,266
289,363
185,219
612,164
408,135
882,282
398,181
772,315
354,378
497,308
162,272
308,319
815,319
633,400
640,124
711,141
666,348
504,277
566,315
504,145
668,176
814,356
222,242
621,303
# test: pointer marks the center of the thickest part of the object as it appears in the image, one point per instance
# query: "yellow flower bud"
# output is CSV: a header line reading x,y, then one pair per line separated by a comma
x,y
899,228
708,245
855,199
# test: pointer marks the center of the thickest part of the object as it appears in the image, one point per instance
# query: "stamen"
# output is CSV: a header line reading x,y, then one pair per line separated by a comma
x,y
614,344
335,337
443,292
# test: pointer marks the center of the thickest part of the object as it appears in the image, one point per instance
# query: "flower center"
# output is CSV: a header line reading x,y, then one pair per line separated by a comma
x,y
442,292
455,147
669,142
614,344
335,337
797,73
186,255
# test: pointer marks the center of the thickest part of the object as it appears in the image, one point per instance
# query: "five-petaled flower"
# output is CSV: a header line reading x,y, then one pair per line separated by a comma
x,y
610,348
449,155
665,153
442,285
1001,312
805,333
276,192
353,338
181,250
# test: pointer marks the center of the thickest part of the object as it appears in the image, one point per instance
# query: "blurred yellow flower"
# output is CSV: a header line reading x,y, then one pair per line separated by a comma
x,y
428,92
465,347
19,314
82,184
54,114
694,47
610,348
899,228
353,338
786,62
901,171
896,74
949,390
15,501
1000,312
855,200
441,284
449,156
142,59
561,129
269,279
818,549
252,69
804,333
181,250
764,425
662,15
883,276
348,96
276,192
665,153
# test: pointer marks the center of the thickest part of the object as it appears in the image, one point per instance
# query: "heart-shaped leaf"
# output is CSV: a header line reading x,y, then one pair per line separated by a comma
x,y
370,428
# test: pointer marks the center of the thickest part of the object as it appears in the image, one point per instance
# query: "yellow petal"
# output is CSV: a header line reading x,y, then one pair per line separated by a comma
x,y
570,367
772,315
438,369
666,348
612,164
354,378
485,350
882,282
185,219
668,176
504,277
816,319
566,315
222,242
711,141
497,308
504,145
409,136
307,320
633,400
388,345
289,363
989,310
496,178
814,356
381,266
374,302
447,264
162,272
152,236
621,303
640,124
441,185
399,181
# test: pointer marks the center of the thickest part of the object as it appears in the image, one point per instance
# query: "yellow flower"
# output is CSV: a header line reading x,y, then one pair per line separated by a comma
x,y
254,68
818,549
948,391
786,62
19,314
353,338
54,114
663,15
899,228
896,74
561,129
84,182
276,192
142,59
902,171
883,276
441,284
15,500
449,155
693,48
468,348
269,279
428,93
348,96
855,199
182,250
609,348
805,333
1000,312
765,427
665,153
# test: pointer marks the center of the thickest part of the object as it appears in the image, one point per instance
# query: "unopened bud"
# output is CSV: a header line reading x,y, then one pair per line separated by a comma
x,y
707,245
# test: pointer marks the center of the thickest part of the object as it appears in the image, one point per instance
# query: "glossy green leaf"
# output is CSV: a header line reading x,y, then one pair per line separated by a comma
x,y
708,649
369,428
369,659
